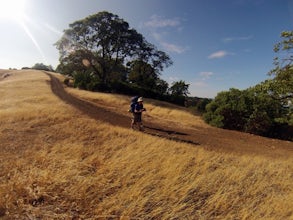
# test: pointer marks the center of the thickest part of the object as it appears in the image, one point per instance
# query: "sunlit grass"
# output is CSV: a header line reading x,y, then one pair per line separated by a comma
x,y
159,111
56,163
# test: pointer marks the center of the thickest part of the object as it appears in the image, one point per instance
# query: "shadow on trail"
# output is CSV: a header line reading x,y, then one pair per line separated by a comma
x,y
87,108
173,138
113,118
166,131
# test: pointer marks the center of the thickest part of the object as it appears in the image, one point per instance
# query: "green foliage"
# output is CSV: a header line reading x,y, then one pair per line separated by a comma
x,y
179,88
201,104
197,105
133,89
250,110
142,74
161,87
106,42
178,92
227,110
87,81
41,66
73,63
281,85
102,52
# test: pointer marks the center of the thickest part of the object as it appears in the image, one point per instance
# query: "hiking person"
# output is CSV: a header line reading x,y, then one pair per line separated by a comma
x,y
137,109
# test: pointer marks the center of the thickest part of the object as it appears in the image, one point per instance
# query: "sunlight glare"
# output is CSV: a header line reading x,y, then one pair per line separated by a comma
x,y
12,9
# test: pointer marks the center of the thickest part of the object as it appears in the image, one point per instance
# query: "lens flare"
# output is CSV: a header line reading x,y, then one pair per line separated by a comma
x,y
29,34
12,9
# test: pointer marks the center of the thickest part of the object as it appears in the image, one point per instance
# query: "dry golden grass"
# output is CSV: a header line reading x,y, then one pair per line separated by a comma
x,y
156,110
56,163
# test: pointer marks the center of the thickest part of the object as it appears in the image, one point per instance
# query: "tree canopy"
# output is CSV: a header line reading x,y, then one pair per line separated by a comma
x,y
101,52
107,42
179,88
282,84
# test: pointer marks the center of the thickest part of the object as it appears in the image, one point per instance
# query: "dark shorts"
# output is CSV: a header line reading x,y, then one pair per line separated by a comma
x,y
137,117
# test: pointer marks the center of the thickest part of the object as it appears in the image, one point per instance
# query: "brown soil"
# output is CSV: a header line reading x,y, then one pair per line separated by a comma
x,y
209,137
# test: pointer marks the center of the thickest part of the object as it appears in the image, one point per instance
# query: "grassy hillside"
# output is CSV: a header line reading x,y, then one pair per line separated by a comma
x,y
156,110
57,163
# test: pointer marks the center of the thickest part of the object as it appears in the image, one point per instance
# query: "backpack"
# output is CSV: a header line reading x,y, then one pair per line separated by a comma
x,y
133,101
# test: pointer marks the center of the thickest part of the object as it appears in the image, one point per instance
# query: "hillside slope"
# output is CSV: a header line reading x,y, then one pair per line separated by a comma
x,y
62,160
197,134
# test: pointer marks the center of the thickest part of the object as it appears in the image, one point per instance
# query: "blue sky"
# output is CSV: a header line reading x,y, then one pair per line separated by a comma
x,y
214,44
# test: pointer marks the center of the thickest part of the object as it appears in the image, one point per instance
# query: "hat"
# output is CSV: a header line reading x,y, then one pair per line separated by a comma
x,y
140,99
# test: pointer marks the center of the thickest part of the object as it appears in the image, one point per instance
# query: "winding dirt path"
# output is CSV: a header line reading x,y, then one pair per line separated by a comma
x,y
209,137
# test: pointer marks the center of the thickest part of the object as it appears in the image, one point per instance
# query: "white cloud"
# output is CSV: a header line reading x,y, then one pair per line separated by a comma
x,y
200,84
218,54
201,81
202,89
171,79
247,50
206,75
160,22
173,48
243,38
160,28
156,35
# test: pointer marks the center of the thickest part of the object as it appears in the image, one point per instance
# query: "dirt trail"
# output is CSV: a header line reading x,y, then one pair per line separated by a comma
x,y
210,138
4,74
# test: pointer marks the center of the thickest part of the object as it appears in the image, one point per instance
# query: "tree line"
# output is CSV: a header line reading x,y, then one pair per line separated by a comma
x,y
102,53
